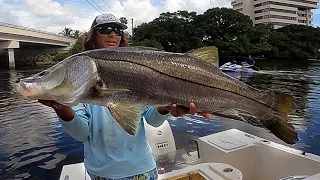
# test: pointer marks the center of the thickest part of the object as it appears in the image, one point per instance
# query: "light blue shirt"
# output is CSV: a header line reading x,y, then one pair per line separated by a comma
x,y
109,151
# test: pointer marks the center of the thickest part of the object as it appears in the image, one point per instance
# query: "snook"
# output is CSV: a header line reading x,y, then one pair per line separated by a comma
x,y
126,79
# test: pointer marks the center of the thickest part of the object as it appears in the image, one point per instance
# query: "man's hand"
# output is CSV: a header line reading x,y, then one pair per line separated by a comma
x,y
64,112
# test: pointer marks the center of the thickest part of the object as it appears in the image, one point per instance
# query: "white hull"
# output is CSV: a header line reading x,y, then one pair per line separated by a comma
x,y
231,154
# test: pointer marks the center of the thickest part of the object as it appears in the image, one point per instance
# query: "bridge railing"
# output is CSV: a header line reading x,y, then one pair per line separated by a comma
x,y
30,29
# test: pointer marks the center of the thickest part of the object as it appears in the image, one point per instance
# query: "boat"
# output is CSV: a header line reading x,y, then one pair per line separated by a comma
x,y
228,155
233,67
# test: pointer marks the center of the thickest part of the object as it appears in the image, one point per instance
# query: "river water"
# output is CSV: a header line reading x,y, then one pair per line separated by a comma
x,y
33,145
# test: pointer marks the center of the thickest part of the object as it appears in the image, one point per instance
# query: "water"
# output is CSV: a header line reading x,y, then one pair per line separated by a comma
x,y
33,145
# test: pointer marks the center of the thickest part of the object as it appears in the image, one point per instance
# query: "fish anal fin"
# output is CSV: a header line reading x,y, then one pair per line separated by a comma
x,y
127,116
238,114
229,113
209,54
282,129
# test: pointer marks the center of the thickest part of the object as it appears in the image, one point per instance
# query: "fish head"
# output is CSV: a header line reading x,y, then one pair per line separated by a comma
x,y
66,82
41,84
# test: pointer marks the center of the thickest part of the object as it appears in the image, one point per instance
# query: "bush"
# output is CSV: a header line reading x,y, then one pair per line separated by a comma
x,y
78,46
147,43
62,56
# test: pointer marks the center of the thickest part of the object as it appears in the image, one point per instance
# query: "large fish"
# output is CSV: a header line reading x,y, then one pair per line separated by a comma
x,y
126,79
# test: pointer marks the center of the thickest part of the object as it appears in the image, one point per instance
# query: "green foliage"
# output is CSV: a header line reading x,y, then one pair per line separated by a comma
x,y
78,46
76,34
229,30
61,56
174,31
75,49
147,43
296,41
68,32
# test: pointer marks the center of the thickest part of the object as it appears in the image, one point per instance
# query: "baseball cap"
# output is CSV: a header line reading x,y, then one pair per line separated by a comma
x,y
107,19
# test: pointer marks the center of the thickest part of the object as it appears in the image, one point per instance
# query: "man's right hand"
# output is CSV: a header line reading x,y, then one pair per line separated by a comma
x,y
66,113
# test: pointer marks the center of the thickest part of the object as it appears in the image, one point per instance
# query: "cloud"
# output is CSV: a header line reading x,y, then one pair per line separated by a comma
x,y
7,15
47,15
45,8
145,11
141,10
199,6
54,15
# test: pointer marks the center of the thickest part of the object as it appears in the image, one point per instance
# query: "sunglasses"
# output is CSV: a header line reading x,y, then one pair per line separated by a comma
x,y
108,29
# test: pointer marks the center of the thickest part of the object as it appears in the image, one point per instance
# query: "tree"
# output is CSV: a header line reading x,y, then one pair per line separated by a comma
x,y
224,28
231,31
259,37
173,31
66,32
296,42
76,34
78,46
123,20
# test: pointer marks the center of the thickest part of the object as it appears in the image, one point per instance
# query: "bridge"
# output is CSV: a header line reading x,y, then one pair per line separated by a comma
x,y
13,38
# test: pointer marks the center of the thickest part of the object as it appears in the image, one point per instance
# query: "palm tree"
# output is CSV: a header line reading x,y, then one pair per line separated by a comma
x,y
66,32
76,34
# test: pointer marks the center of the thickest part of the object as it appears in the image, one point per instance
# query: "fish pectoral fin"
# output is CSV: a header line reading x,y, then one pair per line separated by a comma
x,y
110,90
127,115
103,89
209,54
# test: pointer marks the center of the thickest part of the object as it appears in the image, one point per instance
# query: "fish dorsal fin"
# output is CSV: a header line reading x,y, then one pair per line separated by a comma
x,y
127,115
209,54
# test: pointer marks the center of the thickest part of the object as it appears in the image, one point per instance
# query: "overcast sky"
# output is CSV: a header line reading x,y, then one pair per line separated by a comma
x,y
54,15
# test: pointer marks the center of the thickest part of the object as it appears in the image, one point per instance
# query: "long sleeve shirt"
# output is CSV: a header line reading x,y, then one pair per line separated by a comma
x,y
109,151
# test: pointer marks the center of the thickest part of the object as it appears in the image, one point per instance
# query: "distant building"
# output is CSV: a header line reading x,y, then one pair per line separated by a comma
x,y
279,13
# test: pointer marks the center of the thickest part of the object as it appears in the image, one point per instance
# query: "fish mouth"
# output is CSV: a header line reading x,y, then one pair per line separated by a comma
x,y
27,90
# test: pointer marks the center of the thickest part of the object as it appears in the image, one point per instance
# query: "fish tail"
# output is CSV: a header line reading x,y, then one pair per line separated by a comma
x,y
282,129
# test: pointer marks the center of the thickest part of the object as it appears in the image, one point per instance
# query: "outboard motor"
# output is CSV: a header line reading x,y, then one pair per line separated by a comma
x,y
160,138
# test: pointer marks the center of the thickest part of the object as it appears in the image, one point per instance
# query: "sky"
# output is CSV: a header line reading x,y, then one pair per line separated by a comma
x,y
54,15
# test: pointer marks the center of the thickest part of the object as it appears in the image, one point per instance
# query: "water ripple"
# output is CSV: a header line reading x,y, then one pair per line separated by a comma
x,y
30,134
34,145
